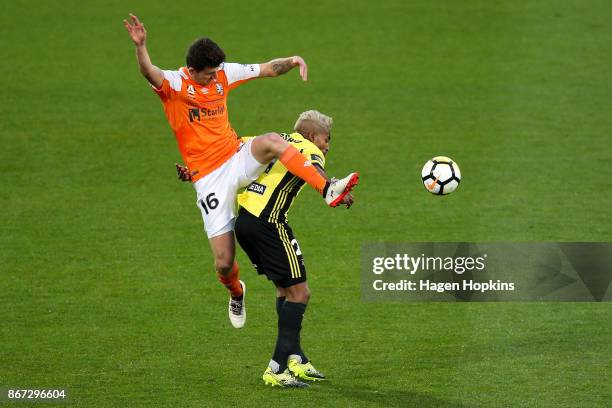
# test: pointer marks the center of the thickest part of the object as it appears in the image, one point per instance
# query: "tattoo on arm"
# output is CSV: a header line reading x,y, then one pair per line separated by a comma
x,y
281,66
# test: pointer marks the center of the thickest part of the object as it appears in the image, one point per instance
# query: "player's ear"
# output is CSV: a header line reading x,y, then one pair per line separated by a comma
x,y
309,134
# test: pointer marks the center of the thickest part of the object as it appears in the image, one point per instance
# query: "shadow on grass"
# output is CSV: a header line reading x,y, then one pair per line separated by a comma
x,y
390,398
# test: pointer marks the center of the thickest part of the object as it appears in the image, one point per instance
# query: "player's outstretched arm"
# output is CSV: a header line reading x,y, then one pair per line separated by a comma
x,y
138,34
281,66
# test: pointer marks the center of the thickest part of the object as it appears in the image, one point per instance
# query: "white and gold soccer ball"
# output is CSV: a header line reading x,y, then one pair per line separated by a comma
x,y
441,175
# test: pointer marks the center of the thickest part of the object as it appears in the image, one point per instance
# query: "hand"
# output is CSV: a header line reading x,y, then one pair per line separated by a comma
x,y
298,61
136,31
182,172
348,200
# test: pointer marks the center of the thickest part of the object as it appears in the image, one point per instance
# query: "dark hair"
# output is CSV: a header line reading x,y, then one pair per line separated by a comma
x,y
204,53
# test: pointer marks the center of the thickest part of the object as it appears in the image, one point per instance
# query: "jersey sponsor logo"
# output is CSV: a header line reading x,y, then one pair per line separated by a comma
x,y
219,88
289,138
202,113
257,188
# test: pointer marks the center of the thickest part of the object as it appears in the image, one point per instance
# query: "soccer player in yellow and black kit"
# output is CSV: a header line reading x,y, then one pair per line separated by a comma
x,y
264,234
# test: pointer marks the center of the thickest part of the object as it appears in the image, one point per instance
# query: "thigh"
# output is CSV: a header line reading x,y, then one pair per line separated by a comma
x,y
247,234
247,168
292,256
269,247
216,199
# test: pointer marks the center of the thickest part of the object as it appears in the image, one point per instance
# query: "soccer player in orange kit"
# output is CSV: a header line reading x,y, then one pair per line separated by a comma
x,y
195,103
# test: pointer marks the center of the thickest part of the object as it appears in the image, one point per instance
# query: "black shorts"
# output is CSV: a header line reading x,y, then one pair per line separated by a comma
x,y
272,249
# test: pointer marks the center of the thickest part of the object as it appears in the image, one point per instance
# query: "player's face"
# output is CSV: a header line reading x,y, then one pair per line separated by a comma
x,y
205,76
321,140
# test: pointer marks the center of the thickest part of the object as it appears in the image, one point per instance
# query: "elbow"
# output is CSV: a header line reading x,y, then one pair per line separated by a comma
x,y
149,74
268,73
146,72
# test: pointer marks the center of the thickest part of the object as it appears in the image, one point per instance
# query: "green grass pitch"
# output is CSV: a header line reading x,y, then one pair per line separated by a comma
x,y
107,287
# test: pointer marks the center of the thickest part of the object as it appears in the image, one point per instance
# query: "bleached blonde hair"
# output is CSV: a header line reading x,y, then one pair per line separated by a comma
x,y
314,118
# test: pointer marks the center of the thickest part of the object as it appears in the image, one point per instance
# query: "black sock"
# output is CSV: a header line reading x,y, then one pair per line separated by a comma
x,y
279,304
326,188
298,349
289,325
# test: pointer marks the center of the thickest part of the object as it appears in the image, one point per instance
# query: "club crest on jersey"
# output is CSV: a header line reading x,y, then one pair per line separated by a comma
x,y
219,89
191,90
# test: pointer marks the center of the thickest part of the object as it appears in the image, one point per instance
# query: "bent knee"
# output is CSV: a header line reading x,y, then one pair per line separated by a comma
x,y
268,146
274,143
306,296
299,294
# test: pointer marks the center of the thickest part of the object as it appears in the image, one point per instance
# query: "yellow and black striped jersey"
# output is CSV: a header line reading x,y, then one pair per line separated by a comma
x,y
271,195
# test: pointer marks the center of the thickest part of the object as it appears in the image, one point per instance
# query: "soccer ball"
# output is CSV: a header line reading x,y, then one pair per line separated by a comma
x,y
441,175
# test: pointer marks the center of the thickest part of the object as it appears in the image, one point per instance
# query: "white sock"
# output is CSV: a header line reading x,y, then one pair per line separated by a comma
x,y
296,357
274,366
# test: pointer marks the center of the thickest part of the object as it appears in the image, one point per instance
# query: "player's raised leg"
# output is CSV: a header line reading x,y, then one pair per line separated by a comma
x,y
224,250
271,145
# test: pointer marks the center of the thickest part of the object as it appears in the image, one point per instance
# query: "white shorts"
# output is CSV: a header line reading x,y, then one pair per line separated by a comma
x,y
217,191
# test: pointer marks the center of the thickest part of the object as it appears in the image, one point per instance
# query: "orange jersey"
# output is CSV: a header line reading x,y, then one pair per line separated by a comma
x,y
198,115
